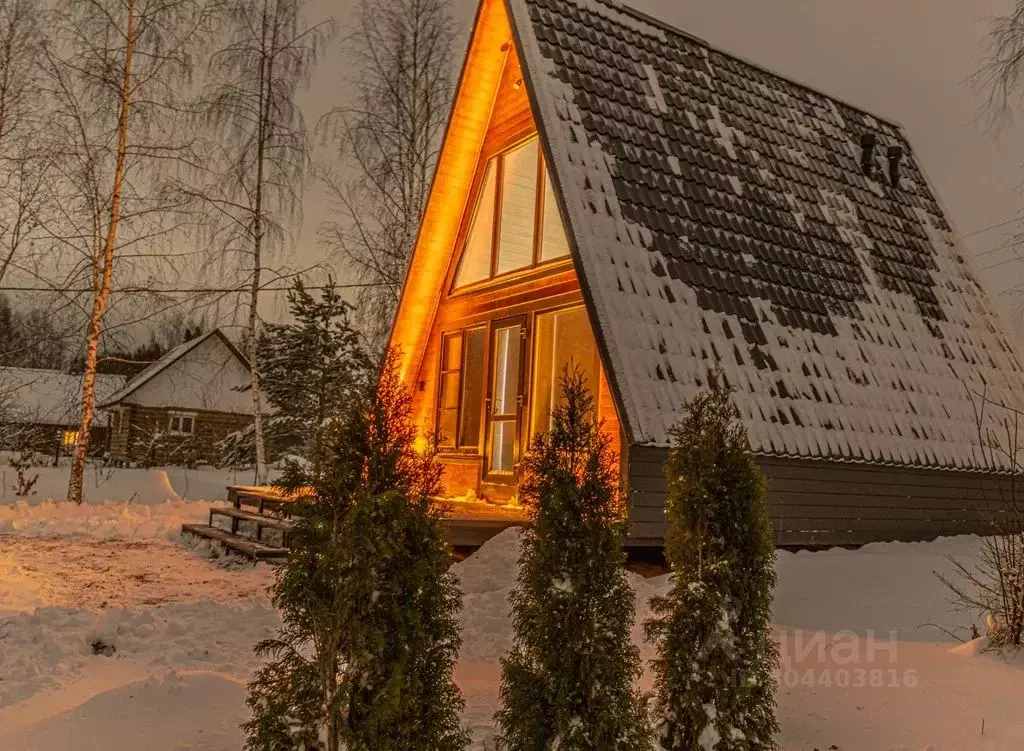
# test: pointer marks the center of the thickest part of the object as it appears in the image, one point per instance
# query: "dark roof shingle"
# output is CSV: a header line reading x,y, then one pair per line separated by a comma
x,y
721,214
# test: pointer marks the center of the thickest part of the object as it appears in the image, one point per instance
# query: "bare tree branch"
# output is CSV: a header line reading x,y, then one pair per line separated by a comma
x,y
388,139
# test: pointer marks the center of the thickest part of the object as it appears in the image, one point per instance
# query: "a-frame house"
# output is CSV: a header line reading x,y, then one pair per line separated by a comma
x,y
618,193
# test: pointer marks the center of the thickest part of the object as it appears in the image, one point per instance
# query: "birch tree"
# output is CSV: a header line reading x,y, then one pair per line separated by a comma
x,y
388,139
116,72
262,154
23,164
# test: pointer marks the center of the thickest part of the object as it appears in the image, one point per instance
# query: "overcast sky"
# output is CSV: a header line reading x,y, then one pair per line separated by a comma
x,y
906,60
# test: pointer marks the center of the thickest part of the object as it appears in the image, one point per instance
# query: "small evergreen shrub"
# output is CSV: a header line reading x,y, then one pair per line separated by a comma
x,y
568,682
365,656
716,661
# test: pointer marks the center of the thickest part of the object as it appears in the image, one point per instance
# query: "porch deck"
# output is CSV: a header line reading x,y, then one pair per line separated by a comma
x,y
255,510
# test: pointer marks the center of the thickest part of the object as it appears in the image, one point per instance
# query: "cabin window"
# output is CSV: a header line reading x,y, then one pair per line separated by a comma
x,y
69,437
472,388
517,223
563,339
476,256
461,387
503,415
554,243
514,200
448,397
182,424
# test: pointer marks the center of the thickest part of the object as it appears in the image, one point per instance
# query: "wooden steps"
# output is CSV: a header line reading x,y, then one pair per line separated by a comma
x,y
254,549
260,520
269,511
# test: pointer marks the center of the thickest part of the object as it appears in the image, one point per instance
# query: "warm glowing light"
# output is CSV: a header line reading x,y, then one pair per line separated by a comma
x,y
452,182
420,445
69,438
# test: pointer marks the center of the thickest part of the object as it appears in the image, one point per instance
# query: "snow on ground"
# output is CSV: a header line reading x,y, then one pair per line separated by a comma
x,y
105,484
861,667
109,521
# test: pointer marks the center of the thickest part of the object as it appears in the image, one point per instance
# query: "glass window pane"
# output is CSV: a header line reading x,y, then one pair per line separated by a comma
x,y
506,371
502,446
562,337
472,388
476,255
518,208
554,243
451,357
446,427
450,390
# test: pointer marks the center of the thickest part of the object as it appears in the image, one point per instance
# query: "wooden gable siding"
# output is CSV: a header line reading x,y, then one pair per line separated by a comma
x,y
119,438
814,502
554,285
460,153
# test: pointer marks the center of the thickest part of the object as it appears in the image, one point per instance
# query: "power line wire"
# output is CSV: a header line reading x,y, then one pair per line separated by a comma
x,y
990,227
194,290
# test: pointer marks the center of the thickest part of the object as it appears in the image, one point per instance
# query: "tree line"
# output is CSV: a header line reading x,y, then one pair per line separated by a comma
x,y
150,146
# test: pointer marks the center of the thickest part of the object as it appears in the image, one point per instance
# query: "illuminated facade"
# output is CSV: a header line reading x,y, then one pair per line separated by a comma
x,y
619,194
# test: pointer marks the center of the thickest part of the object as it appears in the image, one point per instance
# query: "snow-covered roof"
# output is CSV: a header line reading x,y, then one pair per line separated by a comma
x,y
720,213
50,397
170,357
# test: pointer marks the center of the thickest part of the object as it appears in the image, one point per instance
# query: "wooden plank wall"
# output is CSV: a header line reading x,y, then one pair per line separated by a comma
x,y
818,503
210,428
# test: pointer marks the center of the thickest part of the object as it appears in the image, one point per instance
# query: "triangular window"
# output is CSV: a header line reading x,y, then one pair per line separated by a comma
x,y
515,198
476,257
553,242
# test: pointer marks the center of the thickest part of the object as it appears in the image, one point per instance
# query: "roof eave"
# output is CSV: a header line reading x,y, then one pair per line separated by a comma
x,y
539,116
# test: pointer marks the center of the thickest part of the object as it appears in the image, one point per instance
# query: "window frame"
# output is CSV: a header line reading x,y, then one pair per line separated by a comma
x,y
535,358
472,209
457,447
521,400
180,416
441,373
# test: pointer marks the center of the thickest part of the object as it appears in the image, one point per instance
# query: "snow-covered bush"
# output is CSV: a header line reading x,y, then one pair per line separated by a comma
x,y
716,661
569,681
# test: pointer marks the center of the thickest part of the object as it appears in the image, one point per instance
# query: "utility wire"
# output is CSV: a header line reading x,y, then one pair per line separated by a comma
x,y
997,225
195,290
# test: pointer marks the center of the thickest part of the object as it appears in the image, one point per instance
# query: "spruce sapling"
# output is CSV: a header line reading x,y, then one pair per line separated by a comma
x,y
568,682
716,661
365,656
403,636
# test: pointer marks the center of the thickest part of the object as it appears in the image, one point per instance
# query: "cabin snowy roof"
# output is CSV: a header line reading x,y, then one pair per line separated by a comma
x,y
50,397
720,213
171,356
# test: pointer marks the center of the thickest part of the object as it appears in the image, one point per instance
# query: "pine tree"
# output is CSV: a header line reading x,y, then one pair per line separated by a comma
x,y
309,365
367,651
714,671
568,682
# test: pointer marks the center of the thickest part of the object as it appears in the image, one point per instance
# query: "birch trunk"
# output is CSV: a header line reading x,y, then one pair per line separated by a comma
x,y
266,77
103,271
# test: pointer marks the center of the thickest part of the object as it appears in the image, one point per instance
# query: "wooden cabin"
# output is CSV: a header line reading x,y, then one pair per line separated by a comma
x,y
177,410
41,411
618,193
